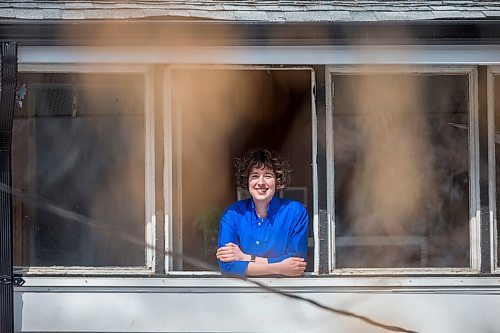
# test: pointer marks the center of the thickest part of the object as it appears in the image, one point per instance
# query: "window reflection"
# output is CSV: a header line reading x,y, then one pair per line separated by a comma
x,y
496,96
78,142
401,170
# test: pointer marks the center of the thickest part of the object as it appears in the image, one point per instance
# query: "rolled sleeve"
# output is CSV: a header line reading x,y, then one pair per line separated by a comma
x,y
235,268
228,234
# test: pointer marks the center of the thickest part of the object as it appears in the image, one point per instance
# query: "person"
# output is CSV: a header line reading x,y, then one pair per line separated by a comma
x,y
265,234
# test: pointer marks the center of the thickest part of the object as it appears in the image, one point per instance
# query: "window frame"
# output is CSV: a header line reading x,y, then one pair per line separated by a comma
x,y
149,156
492,71
169,150
473,149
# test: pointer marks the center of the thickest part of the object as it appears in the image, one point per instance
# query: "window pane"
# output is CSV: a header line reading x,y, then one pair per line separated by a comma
x,y
496,97
78,144
221,114
401,170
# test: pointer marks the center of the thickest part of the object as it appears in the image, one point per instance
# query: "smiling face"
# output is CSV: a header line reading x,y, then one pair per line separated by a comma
x,y
262,185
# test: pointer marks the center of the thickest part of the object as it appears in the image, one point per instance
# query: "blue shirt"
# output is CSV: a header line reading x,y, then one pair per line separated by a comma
x,y
282,234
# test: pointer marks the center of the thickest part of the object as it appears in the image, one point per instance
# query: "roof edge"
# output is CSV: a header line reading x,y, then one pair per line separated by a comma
x,y
149,32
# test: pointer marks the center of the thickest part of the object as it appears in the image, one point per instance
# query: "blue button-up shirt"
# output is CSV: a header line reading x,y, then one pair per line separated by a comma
x,y
282,234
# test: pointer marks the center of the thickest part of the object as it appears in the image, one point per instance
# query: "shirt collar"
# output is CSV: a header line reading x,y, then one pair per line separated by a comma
x,y
272,208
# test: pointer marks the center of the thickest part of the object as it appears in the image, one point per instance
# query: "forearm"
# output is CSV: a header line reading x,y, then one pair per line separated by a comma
x,y
289,267
233,261
256,269
258,260
259,267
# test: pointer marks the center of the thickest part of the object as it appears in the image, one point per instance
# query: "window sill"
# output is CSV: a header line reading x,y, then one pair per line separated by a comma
x,y
83,271
218,284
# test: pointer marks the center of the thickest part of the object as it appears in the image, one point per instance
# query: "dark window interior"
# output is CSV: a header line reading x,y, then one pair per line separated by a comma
x,y
218,115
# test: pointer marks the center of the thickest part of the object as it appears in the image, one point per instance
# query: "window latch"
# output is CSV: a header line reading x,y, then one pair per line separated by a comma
x,y
15,279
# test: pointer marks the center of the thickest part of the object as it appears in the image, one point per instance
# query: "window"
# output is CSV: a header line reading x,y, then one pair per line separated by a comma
x,y
403,168
79,143
401,147
221,113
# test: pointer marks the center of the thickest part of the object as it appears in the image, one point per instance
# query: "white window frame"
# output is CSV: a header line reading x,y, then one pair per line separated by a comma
x,y
474,208
176,247
149,218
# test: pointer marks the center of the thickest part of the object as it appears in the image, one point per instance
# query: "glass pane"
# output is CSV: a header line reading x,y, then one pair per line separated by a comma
x,y
221,114
78,144
496,96
401,170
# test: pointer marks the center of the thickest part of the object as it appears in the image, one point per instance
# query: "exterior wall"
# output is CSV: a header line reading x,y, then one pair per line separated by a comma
x,y
224,305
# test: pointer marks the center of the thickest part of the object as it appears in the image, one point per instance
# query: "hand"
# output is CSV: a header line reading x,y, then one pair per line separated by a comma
x,y
293,266
231,252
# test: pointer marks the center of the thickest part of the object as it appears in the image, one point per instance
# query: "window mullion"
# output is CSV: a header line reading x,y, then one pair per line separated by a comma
x,y
482,136
323,248
158,173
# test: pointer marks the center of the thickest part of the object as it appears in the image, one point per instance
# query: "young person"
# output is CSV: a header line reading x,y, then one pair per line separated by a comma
x,y
265,234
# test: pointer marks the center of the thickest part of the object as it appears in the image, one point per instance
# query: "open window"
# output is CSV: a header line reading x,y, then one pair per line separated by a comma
x,y
217,114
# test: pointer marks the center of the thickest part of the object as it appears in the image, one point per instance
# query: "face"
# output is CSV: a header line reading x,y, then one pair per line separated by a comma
x,y
262,184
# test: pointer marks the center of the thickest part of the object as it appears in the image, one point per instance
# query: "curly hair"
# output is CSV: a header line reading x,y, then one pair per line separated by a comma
x,y
258,159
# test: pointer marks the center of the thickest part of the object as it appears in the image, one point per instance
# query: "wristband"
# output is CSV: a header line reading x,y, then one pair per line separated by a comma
x,y
252,258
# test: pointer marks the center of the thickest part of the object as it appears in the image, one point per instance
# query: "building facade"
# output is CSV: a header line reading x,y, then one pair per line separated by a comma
x,y
127,118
